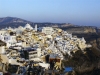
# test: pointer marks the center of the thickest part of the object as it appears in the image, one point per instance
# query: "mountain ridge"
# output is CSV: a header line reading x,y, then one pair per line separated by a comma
x,y
6,20
15,22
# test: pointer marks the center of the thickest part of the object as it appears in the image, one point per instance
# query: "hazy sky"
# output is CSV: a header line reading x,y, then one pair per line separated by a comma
x,y
80,12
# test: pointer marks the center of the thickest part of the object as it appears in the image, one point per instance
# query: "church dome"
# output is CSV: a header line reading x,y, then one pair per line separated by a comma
x,y
28,26
20,27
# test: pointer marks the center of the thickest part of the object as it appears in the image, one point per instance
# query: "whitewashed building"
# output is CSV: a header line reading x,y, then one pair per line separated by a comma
x,y
47,30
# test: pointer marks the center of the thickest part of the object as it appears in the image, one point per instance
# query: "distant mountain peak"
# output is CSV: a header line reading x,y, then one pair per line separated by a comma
x,y
8,19
13,22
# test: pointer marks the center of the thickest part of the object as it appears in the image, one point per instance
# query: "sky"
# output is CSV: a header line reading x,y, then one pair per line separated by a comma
x,y
78,12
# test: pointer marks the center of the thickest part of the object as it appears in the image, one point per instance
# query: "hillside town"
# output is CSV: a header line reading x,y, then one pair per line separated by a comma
x,y
41,48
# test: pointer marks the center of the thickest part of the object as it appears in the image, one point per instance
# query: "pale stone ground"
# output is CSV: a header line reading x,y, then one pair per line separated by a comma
x,y
4,58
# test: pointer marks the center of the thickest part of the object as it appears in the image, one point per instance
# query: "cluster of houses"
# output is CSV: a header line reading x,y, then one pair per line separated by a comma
x,y
28,43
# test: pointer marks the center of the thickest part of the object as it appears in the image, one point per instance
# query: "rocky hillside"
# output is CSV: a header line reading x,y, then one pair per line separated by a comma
x,y
87,63
80,29
91,38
